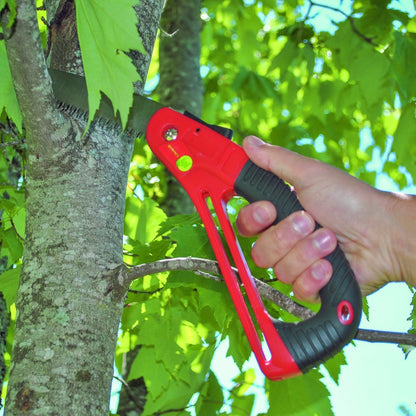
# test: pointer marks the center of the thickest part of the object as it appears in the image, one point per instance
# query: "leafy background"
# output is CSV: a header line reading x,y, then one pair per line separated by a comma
x,y
343,92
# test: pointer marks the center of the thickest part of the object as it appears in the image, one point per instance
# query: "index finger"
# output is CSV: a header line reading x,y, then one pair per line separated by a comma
x,y
290,166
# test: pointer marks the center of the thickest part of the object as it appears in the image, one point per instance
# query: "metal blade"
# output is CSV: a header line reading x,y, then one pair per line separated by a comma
x,y
71,90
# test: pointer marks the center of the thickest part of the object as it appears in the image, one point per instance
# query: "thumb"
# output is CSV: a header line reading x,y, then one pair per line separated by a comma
x,y
289,166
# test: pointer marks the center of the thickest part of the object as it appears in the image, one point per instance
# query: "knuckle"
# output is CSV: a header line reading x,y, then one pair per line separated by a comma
x,y
244,225
258,256
312,280
284,237
283,274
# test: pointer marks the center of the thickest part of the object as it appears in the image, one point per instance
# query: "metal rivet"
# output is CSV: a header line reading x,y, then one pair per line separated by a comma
x,y
171,134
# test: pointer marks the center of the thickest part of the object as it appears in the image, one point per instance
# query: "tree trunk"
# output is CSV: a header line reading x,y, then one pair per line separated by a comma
x,y
180,83
179,52
69,304
67,325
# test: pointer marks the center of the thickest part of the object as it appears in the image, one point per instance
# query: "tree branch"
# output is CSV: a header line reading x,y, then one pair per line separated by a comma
x,y
132,396
30,76
386,336
210,269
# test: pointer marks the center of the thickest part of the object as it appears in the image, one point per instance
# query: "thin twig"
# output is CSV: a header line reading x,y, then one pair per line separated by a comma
x,y
349,17
210,269
166,34
129,391
164,412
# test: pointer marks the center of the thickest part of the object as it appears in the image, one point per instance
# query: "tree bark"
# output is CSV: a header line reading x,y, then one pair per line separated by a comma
x,y
68,316
179,52
67,327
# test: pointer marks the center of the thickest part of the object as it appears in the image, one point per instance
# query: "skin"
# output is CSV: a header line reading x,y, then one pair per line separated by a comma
x,y
375,229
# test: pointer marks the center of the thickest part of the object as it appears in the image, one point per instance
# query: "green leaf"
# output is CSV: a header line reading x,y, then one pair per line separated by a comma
x,y
255,86
299,396
210,398
174,358
404,144
8,99
403,58
15,220
106,31
178,221
351,53
407,349
154,372
239,348
11,246
192,241
334,364
142,219
11,5
244,381
242,403
139,253
285,58
130,316
9,282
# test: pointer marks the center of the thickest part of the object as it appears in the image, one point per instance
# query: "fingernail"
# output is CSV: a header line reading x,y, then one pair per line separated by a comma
x,y
323,241
319,271
254,141
262,216
302,224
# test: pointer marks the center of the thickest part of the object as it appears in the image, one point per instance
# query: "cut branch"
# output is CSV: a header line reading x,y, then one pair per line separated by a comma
x,y
210,269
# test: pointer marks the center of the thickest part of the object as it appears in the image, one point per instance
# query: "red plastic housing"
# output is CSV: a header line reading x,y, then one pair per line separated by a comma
x,y
207,165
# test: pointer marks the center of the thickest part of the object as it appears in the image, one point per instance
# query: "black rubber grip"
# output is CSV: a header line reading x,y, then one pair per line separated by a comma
x,y
312,341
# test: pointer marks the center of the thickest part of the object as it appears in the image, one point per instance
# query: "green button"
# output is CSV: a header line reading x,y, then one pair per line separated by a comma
x,y
184,163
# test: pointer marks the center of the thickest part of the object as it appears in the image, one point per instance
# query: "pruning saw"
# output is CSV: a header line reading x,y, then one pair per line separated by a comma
x,y
208,164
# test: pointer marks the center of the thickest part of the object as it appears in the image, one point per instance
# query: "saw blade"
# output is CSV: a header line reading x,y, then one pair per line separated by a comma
x,y
71,92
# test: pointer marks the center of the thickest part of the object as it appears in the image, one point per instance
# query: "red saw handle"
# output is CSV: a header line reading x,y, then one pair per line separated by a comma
x,y
208,165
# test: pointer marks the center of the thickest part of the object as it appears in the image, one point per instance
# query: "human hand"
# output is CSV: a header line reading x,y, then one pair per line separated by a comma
x,y
361,218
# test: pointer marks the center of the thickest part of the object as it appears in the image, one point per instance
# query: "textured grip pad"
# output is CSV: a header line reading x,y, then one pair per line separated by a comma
x,y
312,341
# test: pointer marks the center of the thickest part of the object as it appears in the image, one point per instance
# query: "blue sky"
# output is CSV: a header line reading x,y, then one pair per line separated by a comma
x,y
378,379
